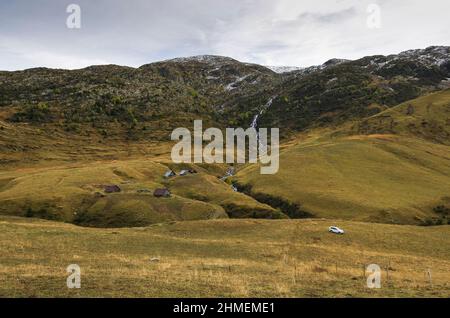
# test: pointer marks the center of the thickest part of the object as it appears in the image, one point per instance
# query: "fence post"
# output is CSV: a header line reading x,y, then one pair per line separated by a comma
x,y
429,277
387,271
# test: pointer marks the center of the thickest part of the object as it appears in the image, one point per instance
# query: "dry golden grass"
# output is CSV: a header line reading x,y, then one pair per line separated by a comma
x,y
223,258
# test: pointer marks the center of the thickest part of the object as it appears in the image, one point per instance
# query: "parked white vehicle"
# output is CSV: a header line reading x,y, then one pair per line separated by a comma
x,y
335,230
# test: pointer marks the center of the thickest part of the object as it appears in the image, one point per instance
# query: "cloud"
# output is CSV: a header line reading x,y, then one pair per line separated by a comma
x,y
326,18
282,32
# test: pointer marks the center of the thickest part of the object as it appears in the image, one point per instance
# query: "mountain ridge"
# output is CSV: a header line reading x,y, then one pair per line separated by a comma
x,y
443,49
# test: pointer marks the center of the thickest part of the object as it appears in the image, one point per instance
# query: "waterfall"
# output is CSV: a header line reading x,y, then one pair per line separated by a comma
x,y
254,123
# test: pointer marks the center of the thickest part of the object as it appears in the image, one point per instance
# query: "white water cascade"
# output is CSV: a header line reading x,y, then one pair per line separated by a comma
x,y
254,123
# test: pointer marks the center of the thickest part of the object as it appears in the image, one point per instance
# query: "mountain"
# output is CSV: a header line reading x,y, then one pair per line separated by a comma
x,y
156,97
147,97
361,140
344,90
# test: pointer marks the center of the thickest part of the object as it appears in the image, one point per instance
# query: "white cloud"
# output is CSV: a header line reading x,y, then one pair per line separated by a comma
x,y
282,32
19,56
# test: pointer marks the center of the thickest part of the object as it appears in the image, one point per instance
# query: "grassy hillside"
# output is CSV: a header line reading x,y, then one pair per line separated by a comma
x,y
208,188
393,167
64,135
376,178
224,258
25,145
427,117
75,193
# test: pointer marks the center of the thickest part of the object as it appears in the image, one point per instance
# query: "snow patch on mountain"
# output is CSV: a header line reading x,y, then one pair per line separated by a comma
x,y
210,59
233,85
431,56
284,69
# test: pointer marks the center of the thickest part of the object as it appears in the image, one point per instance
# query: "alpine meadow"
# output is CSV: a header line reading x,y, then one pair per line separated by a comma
x,y
336,167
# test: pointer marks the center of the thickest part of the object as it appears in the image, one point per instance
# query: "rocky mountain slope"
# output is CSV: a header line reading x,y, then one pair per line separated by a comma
x,y
222,91
345,90
176,91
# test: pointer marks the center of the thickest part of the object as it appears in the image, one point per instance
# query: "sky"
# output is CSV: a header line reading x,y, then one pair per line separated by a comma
x,y
268,32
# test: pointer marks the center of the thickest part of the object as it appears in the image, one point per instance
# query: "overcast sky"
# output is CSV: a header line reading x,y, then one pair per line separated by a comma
x,y
269,32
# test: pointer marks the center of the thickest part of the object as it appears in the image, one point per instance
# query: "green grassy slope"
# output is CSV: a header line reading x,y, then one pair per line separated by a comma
x,y
208,188
387,168
223,258
75,193
393,180
427,117
393,167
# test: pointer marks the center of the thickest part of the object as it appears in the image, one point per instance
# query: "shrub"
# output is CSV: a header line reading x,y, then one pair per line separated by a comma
x,y
236,211
35,113
292,210
442,209
29,213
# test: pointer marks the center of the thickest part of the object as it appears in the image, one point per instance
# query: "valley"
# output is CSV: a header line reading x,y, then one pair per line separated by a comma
x,y
364,145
